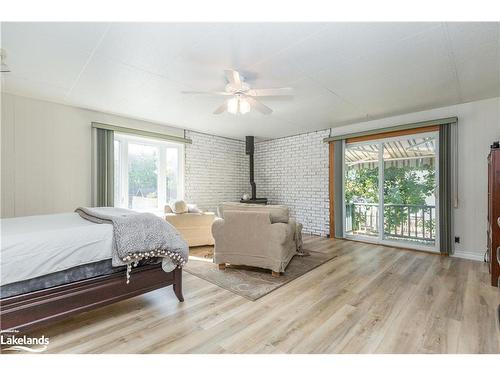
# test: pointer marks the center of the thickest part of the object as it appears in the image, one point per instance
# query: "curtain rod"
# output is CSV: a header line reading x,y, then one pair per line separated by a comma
x,y
144,133
415,125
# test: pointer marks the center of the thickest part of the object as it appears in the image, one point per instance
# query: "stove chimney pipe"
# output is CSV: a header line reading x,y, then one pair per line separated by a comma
x,y
249,150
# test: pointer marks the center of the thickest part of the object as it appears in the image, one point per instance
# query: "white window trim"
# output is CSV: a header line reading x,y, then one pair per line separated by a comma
x,y
162,145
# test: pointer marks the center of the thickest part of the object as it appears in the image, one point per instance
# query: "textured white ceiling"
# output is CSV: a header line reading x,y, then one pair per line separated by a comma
x,y
341,72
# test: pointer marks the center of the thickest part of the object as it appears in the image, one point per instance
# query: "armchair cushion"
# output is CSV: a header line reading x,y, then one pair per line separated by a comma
x,y
278,213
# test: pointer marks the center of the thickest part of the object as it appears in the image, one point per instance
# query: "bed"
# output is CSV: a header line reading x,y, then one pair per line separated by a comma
x,y
53,266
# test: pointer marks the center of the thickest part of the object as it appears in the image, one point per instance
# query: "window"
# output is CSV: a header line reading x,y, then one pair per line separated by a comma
x,y
148,172
390,191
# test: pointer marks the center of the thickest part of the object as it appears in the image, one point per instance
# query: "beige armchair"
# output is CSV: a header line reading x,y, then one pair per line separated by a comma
x,y
260,236
195,227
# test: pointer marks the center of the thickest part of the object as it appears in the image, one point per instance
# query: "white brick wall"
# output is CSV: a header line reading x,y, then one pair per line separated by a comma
x,y
294,171
216,170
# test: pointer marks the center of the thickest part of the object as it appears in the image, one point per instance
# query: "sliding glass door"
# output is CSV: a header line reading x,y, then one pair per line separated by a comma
x,y
390,191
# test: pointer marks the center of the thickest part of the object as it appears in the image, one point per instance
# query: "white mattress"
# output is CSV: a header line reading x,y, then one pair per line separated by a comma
x,y
33,246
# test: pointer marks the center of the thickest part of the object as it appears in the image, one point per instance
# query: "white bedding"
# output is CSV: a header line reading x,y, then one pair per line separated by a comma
x,y
33,246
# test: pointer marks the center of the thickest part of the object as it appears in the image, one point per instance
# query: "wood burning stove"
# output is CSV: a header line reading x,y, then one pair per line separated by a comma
x,y
249,150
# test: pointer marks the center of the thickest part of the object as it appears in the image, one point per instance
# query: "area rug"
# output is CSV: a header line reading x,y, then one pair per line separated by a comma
x,y
249,282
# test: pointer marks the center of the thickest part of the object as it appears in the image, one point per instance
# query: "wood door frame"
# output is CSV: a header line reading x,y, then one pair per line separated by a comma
x,y
393,134
331,191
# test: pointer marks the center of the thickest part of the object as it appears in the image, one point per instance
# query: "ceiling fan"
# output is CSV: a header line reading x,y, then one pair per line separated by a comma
x,y
241,97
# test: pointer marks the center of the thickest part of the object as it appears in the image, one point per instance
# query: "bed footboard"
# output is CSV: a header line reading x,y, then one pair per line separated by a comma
x,y
36,309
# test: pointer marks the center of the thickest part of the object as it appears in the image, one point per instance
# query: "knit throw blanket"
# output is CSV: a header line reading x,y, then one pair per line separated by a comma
x,y
138,236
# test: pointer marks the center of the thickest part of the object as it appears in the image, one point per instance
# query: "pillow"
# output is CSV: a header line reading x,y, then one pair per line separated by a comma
x,y
193,209
179,207
168,210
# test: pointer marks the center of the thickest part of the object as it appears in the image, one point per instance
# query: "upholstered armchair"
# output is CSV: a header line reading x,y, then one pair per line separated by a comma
x,y
254,235
195,226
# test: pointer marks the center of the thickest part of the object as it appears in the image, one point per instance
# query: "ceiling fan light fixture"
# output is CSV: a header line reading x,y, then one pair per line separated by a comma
x,y
244,106
232,106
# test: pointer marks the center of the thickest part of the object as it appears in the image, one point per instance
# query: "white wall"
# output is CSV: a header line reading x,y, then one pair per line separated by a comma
x,y
216,170
46,154
294,171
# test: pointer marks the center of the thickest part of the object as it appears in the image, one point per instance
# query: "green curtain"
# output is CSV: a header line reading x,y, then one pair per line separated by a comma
x,y
446,163
105,168
338,203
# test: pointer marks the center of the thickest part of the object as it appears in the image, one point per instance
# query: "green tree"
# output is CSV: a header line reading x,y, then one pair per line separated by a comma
x,y
410,186
361,184
142,174
403,185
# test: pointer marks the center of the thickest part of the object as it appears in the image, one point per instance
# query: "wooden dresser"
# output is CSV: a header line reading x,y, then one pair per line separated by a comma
x,y
494,214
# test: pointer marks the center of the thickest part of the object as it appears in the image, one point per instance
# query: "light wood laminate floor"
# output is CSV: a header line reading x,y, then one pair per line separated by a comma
x,y
367,299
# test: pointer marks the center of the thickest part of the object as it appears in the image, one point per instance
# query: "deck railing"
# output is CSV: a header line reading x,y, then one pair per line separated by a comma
x,y
409,222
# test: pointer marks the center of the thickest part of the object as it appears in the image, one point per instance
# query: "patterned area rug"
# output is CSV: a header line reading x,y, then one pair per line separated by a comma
x,y
249,282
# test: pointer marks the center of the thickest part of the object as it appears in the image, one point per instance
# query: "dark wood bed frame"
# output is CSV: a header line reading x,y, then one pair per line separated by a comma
x,y
36,309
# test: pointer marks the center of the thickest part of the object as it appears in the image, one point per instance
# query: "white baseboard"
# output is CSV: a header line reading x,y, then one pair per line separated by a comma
x,y
468,255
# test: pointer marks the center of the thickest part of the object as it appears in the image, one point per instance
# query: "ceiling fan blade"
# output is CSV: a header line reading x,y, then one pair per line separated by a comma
x,y
281,91
234,78
221,108
258,105
207,93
